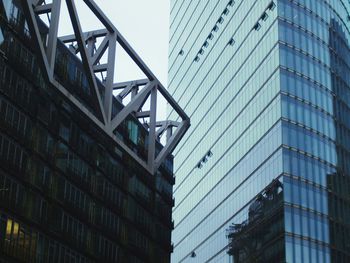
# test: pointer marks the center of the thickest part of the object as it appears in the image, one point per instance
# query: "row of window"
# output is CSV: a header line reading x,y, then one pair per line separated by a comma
x,y
341,90
71,193
22,58
306,115
69,73
343,156
15,17
45,146
16,87
299,15
73,135
36,209
86,169
10,149
76,76
15,119
339,234
234,190
307,141
75,196
68,161
305,195
304,40
339,209
306,167
213,31
39,174
338,42
264,16
341,114
11,154
305,65
16,197
316,34
306,251
26,244
32,205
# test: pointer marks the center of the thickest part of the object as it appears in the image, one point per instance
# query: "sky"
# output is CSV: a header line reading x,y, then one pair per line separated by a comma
x,y
144,24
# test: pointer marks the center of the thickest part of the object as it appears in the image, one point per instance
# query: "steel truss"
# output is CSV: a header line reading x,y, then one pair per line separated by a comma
x,y
140,91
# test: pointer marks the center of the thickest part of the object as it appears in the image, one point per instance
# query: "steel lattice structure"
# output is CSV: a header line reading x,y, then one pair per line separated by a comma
x,y
139,90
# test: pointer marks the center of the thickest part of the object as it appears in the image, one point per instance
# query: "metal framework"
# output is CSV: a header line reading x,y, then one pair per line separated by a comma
x,y
140,91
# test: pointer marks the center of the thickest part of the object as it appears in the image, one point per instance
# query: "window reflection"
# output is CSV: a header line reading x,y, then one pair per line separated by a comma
x,y
1,37
8,7
250,241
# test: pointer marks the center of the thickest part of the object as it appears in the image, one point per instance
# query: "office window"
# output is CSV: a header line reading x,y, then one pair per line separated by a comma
x,y
8,7
133,131
231,42
226,11
1,37
231,3
264,16
257,26
271,6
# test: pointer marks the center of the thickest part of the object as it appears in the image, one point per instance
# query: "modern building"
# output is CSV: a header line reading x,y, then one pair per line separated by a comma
x,y
267,86
82,177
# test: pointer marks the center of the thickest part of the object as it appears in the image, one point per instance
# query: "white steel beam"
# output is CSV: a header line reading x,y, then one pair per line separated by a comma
x,y
52,37
43,9
110,67
140,90
84,56
152,129
133,106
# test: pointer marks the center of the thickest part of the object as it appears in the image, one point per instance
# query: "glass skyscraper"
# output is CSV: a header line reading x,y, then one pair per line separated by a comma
x,y
263,173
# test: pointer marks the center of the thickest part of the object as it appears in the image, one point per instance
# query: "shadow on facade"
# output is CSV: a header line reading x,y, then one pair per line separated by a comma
x,y
260,237
338,184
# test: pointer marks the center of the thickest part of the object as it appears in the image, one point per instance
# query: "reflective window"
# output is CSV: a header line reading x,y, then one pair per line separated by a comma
x,y
8,7
1,37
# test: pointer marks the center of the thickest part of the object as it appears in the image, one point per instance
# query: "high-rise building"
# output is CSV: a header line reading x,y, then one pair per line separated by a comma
x,y
263,174
82,177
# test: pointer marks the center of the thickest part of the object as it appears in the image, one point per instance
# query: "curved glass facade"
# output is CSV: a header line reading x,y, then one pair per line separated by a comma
x,y
267,87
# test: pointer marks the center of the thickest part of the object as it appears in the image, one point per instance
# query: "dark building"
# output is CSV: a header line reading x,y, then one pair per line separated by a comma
x,y
70,189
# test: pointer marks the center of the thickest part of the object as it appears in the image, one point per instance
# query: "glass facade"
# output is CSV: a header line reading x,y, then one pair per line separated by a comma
x,y
266,84
68,192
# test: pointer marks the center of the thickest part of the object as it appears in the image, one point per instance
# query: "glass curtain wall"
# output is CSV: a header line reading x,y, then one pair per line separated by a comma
x,y
266,84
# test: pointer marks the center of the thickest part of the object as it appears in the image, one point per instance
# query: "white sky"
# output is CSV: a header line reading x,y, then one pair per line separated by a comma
x,y
144,24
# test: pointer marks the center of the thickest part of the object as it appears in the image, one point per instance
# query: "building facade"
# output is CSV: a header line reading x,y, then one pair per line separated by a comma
x,y
68,191
266,84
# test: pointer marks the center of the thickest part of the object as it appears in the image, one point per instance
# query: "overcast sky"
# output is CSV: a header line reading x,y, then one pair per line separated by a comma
x,y
145,25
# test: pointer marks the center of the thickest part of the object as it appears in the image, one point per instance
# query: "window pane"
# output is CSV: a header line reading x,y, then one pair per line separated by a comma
x,y
7,5
1,37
